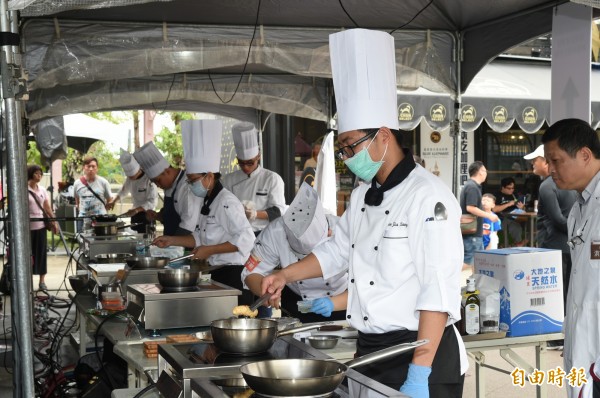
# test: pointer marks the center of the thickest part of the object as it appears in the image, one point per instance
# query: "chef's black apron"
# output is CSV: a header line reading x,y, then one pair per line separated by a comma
x,y
445,379
170,217
289,302
231,275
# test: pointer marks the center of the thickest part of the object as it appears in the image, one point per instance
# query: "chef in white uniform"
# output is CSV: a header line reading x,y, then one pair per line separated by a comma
x,y
179,214
399,238
287,240
144,195
260,190
224,235
572,149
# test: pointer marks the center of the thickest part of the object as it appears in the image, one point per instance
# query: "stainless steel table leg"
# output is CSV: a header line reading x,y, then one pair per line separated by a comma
x,y
82,334
479,375
540,363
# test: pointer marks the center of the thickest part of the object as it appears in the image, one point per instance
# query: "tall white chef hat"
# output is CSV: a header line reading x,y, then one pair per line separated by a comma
x,y
304,221
363,65
151,160
128,163
245,140
201,145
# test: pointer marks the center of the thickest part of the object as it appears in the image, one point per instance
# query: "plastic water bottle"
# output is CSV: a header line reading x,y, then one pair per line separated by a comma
x,y
140,247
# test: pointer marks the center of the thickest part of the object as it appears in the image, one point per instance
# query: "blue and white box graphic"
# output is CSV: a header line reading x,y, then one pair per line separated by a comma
x,y
531,288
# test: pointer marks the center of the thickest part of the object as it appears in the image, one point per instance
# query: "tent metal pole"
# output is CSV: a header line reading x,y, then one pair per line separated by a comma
x,y
455,126
11,71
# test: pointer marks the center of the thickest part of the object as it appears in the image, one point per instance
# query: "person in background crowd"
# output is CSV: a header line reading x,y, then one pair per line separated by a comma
x,y
312,161
39,207
470,203
92,193
289,239
181,209
490,228
507,202
400,290
224,235
261,191
554,206
572,150
144,194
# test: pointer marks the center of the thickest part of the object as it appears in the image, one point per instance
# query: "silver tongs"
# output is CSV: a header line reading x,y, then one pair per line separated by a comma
x,y
265,297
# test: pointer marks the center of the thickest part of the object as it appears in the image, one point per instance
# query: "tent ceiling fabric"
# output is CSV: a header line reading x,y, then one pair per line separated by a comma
x,y
503,92
291,39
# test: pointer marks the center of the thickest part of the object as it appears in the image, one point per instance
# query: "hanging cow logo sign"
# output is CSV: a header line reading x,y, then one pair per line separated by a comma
x,y
406,112
499,114
468,114
438,113
530,115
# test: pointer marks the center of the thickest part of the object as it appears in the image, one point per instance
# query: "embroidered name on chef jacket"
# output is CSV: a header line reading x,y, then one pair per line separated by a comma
x,y
141,190
262,192
396,230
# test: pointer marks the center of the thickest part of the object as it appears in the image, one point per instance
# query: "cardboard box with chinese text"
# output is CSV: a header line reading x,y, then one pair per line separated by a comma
x,y
531,288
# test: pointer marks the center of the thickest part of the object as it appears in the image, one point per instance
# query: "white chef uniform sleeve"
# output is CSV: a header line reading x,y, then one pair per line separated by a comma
x,y
125,189
232,217
151,196
265,257
333,254
189,206
276,194
437,249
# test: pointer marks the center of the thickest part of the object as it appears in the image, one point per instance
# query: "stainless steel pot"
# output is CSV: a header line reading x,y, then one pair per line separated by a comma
x,y
112,258
309,377
178,278
249,336
145,262
323,342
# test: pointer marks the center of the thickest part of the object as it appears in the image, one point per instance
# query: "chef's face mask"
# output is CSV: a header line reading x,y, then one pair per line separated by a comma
x,y
362,165
198,188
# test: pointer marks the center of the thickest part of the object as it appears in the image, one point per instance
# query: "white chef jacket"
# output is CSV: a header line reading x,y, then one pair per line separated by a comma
x,y
143,192
272,249
582,320
187,205
263,187
226,222
400,259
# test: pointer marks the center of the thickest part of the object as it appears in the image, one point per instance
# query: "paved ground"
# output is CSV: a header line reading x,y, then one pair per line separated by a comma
x,y
498,384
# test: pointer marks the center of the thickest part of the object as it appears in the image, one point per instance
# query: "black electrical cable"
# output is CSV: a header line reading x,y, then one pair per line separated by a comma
x,y
168,96
245,64
113,315
413,18
347,14
144,390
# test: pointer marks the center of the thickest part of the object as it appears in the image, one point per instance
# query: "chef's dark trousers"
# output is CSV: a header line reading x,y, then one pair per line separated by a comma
x,y
230,275
289,302
445,380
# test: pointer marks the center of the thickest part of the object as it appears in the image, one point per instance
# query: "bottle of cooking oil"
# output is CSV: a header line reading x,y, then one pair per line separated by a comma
x,y
472,306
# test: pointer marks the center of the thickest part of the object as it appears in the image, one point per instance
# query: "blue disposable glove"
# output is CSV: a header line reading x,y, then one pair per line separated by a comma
x,y
417,381
322,306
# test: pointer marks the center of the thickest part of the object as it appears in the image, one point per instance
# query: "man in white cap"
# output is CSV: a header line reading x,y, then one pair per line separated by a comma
x,y
260,190
144,195
553,210
179,214
285,241
224,236
402,287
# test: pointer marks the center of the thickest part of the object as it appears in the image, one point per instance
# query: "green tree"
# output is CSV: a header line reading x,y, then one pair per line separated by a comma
x,y
33,154
169,142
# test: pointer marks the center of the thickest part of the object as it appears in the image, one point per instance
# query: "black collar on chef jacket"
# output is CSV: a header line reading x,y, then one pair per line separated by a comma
x,y
209,199
374,195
